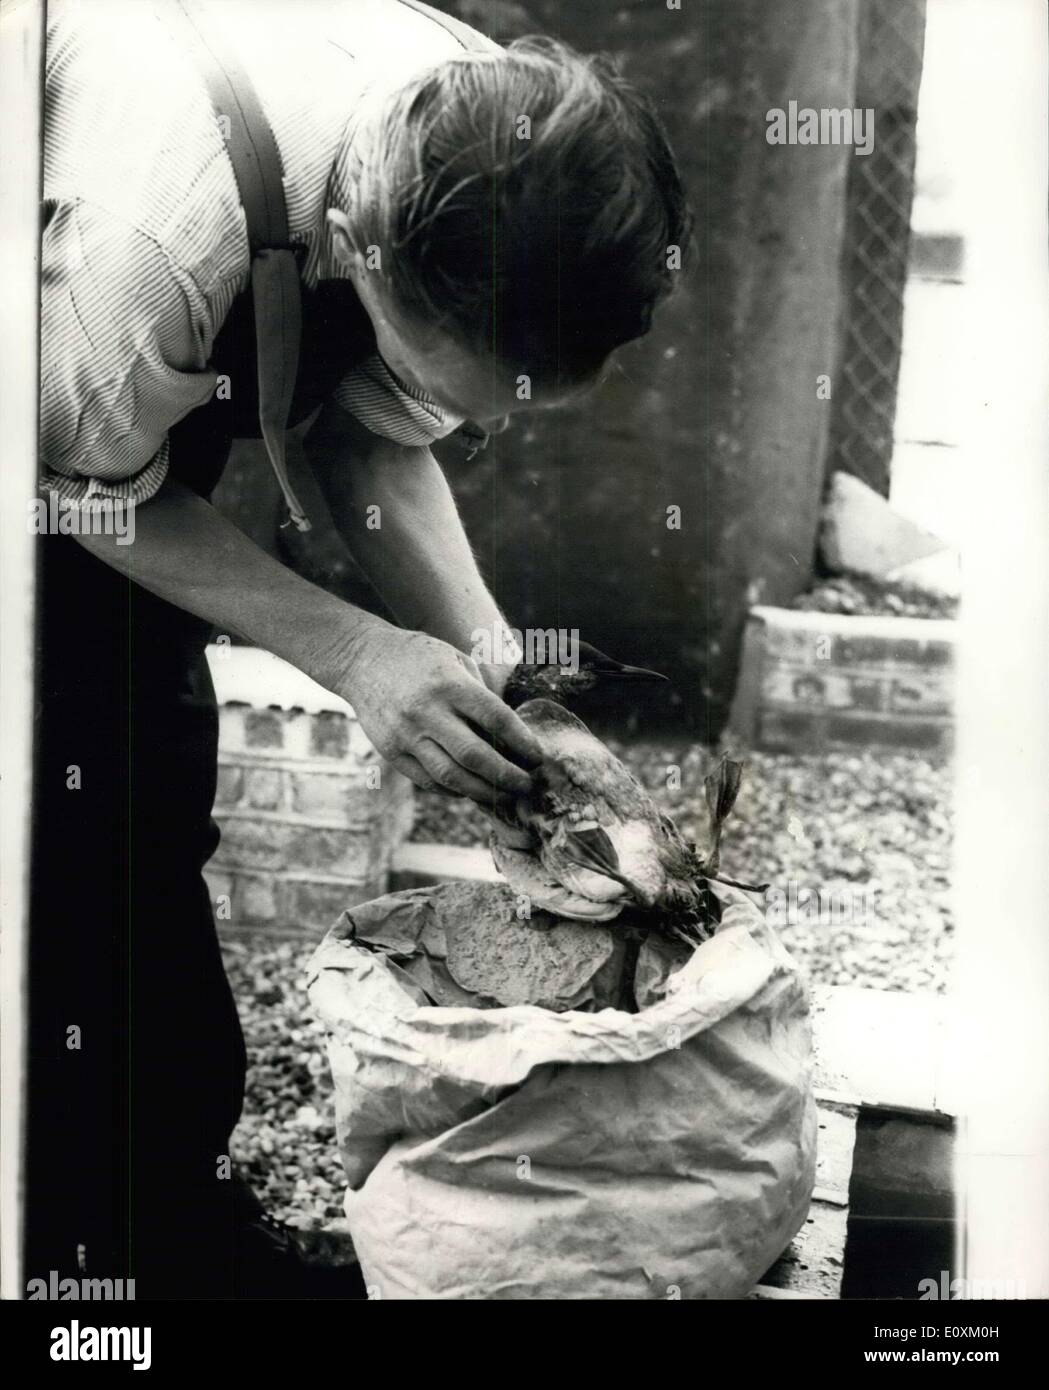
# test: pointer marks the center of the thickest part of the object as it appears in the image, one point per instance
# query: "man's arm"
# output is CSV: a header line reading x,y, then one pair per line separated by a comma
x,y
117,369
413,549
421,703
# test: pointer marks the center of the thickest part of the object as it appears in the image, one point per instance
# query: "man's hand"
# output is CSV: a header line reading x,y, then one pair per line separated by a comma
x,y
426,709
421,702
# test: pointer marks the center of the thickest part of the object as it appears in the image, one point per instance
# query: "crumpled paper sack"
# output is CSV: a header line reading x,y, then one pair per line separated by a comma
x,y
522,1153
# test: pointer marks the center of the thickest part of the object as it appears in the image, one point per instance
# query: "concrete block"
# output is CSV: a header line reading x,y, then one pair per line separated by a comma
x,y
313,904
329,735
250,842
349,854
257,898
310,815
230,787
813,681
263,729
264,788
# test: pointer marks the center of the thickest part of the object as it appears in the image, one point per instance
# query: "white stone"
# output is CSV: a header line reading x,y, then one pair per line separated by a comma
x,y
861,533
939,574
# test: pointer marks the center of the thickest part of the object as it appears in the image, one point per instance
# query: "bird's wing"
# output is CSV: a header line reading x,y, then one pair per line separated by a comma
x,y
530,877
590,847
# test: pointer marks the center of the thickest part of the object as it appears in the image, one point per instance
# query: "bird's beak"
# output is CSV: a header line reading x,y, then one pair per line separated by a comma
x,y
608,667
635,673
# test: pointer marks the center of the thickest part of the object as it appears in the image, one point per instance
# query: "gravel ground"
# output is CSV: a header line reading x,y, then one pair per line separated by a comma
x,y
285,1143
869,833
852,593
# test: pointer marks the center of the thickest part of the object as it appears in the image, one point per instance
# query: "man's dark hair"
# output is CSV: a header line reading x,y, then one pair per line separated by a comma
x,y
526,201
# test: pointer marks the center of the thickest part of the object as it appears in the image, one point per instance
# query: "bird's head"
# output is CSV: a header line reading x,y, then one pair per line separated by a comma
x,y
551,681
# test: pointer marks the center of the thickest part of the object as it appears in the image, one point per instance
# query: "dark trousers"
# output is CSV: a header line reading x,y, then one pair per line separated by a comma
x,y
137,1063
136,1056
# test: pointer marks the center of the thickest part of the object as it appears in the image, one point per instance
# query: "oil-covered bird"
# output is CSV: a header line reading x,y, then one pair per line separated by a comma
x,y
552,681
588,841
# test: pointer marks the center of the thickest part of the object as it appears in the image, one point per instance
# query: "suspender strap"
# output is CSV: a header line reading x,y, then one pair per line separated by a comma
x,y
469,38
275,287
252,148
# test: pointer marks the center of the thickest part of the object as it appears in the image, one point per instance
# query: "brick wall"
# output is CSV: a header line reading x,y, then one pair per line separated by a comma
x,y
309,813
810,681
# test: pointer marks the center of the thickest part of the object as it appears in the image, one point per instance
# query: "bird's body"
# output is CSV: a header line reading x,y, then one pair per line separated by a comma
x,y
588,841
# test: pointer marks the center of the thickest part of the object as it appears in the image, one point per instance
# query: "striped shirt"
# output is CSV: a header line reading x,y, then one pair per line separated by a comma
x,y
145,245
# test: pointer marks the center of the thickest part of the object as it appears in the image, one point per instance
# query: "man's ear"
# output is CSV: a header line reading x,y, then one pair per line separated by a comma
x,y
345,251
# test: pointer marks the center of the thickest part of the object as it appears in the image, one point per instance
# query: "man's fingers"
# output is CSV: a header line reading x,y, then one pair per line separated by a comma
x,y
415,772
488,712
469,749
452,776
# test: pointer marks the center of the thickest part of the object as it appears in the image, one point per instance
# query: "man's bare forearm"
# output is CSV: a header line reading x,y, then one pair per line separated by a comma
x,y
425,707
395,510
187,553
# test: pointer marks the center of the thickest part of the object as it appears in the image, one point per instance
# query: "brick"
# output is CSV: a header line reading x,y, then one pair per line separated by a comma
x,y
297,726
866,694
230,785
788,641
312,903
936,654
919,697
807,686
249,843
339,796
263,728
330,735
859,650
320,794
347,853
257,899
231,728
264,788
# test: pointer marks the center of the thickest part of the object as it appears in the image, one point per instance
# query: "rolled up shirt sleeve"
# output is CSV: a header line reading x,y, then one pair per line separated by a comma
x,y
125,339
389,407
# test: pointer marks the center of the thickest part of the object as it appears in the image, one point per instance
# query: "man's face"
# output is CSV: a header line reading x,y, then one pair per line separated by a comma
x,y
462,382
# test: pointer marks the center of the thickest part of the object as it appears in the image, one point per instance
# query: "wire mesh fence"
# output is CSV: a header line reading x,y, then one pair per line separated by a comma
x,y
878,216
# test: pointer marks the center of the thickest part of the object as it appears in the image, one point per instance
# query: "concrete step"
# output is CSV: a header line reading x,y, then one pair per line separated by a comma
x,y
418,865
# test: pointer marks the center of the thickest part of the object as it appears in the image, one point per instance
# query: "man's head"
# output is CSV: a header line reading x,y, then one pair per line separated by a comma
x,y
523,205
